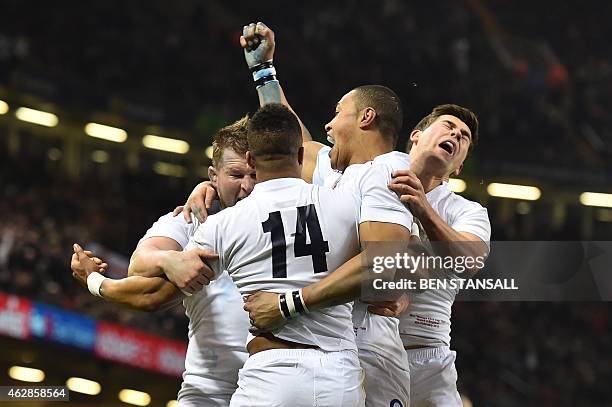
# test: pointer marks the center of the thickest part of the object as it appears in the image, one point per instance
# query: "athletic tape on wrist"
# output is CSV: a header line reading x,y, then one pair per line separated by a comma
x,y
264,81
291,305
262,73
94,282
282,305
414,230
261,66
298,299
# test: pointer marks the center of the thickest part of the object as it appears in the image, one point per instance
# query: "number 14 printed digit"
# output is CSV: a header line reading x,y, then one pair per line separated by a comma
x,y
307,220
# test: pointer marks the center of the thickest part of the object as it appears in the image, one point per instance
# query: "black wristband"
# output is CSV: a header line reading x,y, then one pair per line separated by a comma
x,y
297,300
263,65
282,302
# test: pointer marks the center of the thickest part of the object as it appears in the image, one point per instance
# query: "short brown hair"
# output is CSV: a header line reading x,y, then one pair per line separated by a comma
x,y
388,107
232,136
274,134
462,113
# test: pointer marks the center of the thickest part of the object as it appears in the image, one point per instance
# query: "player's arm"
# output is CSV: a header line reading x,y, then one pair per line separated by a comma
x,y
344,284
163,256
458,243
258,43
339,287
141,293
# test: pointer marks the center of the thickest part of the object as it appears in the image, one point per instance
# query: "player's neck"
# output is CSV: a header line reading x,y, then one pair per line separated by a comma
x,y
267,175
429,178
370,146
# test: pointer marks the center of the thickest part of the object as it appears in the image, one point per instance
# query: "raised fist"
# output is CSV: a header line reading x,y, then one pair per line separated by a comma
x,y
258,43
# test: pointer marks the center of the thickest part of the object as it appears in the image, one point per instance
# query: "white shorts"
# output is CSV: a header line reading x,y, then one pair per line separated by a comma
x,y
300,378
204,401
387,382
433,377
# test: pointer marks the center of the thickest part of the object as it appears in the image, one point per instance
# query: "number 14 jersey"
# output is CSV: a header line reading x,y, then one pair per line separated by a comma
x,y
286,235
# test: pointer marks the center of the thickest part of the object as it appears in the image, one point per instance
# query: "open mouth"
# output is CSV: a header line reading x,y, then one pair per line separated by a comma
x,y
448,147
331,140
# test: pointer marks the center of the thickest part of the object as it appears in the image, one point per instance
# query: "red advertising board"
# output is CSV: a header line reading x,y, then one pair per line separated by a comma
x,y
15,316
135,348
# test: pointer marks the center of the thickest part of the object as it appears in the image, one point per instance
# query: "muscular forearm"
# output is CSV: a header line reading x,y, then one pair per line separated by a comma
x,y
148,263
451,242
142,293
272,92
339,287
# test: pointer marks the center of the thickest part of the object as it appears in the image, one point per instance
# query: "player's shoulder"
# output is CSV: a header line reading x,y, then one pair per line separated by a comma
x,y
174,227
455,206
462,202
383,165
394,160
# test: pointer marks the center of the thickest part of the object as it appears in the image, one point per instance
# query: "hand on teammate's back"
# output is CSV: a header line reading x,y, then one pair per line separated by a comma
x,y
263,311
188,269
258,43
83,263
199,202
389,308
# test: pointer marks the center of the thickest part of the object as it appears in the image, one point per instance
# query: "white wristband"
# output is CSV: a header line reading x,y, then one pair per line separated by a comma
x,y
291,304
94,282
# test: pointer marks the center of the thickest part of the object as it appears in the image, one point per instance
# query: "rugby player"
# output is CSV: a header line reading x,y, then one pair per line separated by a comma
x,y
262,243
217,324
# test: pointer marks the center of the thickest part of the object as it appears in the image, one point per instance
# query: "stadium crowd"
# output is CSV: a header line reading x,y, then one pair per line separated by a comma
x,y
531,79
43,214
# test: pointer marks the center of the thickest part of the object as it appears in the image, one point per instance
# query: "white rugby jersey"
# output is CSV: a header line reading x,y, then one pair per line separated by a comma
x,y
370,181
428,320
217,324
286,235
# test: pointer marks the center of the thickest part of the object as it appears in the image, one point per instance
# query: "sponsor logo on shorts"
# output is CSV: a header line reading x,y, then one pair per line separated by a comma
x,y
396,403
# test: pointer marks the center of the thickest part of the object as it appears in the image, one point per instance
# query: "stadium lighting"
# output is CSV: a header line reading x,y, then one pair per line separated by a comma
x,y
26,374
84,386
4,107
457,185
135,397
99,156
209,152
524,192
596,199
172,403
165,144
104,132
26,114
170,170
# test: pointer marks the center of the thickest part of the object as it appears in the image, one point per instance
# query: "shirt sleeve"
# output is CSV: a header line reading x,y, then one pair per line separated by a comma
x,y
473,218
207,237
173,227
378,202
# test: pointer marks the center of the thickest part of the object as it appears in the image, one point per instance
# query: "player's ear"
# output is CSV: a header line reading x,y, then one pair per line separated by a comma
x,y
212,175
367,117
250,159
301,155
414,137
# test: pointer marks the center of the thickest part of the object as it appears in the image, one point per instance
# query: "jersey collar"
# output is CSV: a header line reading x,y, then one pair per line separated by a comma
x,y
277,184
